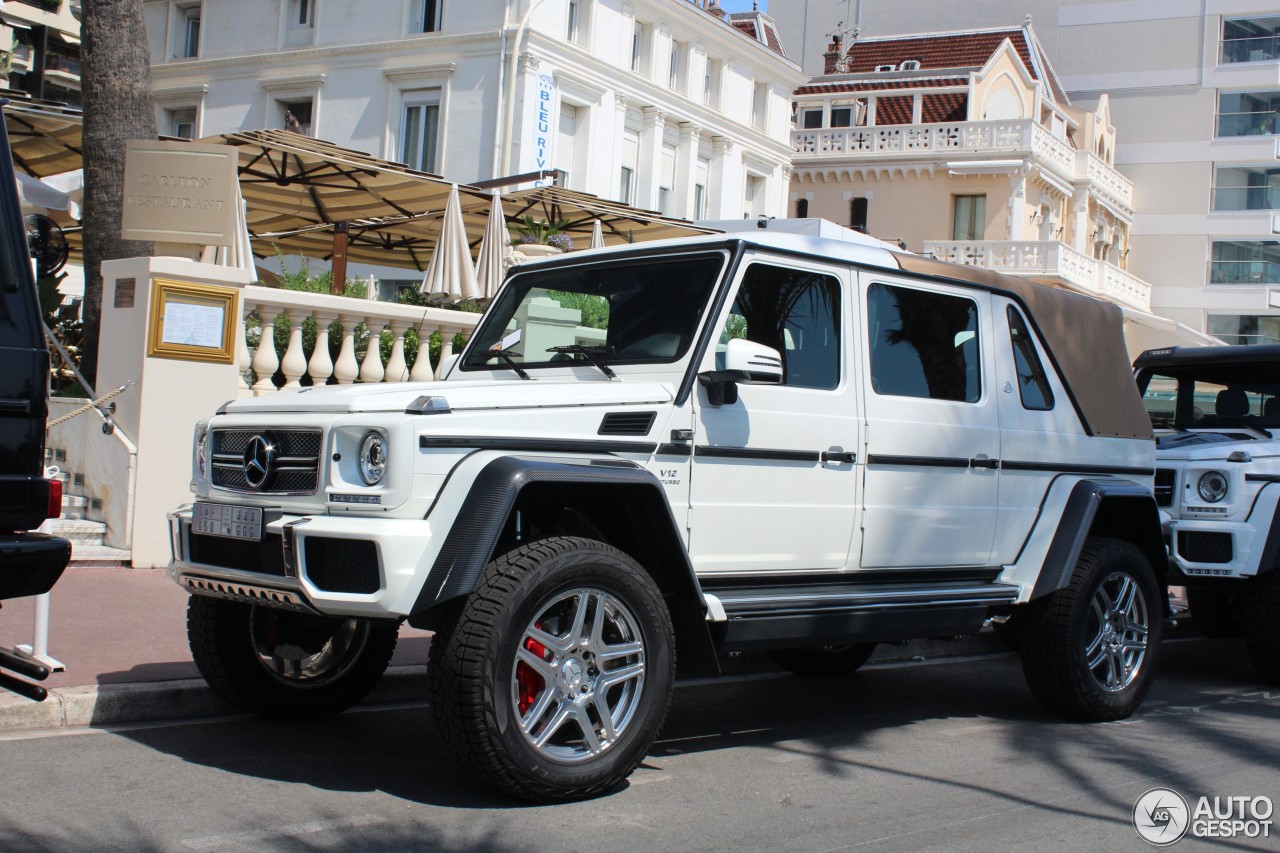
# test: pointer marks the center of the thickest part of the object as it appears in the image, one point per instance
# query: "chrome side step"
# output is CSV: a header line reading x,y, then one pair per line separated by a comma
x,y
246,593
745,603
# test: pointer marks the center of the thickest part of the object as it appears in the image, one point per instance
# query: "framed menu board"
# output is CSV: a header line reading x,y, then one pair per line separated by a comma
x,y
193,322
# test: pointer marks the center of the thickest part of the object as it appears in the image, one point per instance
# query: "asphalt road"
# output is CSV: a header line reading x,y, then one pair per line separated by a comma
x,y
948,755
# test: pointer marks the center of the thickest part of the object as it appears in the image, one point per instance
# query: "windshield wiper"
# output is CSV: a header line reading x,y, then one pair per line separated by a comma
x,y
509,362
591,354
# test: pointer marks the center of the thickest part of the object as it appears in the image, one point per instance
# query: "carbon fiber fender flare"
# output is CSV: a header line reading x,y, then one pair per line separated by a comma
x,y
1102,507
472,539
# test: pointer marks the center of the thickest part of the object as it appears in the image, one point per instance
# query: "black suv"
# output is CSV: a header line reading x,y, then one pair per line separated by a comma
x,y
30,563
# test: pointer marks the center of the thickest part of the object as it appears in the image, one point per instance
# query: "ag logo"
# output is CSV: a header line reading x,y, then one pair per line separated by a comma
x,y
1161,816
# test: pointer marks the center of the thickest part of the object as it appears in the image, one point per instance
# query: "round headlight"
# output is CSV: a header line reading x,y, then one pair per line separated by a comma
x,y
202,453
373,458
1213,487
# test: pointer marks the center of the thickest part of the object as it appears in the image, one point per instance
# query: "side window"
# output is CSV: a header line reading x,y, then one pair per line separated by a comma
x,y
923,344
1032,384
797,313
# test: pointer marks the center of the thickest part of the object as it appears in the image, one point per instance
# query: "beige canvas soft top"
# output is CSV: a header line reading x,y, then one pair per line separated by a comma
x,y
1084,337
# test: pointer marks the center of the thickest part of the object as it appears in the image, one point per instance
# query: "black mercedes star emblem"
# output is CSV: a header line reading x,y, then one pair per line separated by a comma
x,y
258,457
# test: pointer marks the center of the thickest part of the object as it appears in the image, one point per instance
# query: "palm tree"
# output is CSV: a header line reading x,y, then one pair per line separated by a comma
x,y
116,85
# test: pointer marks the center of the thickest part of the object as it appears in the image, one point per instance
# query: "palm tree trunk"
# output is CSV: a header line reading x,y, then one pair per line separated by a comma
x,y
117,107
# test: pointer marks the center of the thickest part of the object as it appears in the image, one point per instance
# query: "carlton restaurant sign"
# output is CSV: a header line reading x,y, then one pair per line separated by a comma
x,y
178,192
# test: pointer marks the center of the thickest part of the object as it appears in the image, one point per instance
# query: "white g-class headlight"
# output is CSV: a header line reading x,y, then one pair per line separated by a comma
x,y
373,458
1213,487
200,457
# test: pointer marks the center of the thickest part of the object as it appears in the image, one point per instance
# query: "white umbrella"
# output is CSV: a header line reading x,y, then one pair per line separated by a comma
x,y
493,250
450,276
35,194
597,236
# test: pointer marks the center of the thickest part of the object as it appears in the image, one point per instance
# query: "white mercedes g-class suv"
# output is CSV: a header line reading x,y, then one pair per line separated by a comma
x,y
1216,411
651,455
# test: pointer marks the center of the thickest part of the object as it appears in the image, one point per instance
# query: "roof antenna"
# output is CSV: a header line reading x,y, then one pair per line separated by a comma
x,y
755,5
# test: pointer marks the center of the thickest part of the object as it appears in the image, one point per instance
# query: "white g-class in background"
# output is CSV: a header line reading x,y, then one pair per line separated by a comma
x,y
1216,411
651,455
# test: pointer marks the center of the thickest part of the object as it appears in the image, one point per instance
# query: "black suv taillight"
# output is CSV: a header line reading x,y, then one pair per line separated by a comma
x,y
55,499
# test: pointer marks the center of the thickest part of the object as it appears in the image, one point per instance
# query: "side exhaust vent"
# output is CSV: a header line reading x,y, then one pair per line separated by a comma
x,y
627,423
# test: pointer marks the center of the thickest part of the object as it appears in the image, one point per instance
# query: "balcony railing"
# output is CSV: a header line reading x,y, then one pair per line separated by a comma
x,y
969,139
1244,272
1048,259
65,64
262,305
1246,198
1248,124
1256,49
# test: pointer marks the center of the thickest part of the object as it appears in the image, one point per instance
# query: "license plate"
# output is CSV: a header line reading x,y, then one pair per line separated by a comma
x,y
233,522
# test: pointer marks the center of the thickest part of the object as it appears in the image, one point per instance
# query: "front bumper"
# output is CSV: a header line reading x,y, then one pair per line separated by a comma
x,y
335,565
1210,549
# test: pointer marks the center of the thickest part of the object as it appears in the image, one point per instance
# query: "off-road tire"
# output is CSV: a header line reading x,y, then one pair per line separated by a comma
x,y
471,673
1261,625
824,661
1215,610
222,644
1052,637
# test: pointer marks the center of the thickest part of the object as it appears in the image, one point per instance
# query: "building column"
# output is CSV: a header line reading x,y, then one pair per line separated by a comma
x,y
686,168
1017,204
725,176
650,166
1080,222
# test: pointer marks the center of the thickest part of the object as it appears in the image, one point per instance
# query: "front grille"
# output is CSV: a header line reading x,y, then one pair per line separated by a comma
x,y
295,469
1197,546
627,423
342,565
265,557
1166,481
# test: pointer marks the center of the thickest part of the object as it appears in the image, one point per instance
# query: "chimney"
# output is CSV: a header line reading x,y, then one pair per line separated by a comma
x,y
831,59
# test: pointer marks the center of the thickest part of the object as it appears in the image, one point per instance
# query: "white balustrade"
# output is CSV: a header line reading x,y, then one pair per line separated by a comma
x,y
1102,174
1047,259
265,360
294,363
269,303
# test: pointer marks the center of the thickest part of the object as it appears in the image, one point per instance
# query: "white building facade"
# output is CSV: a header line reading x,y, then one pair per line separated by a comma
x,y
662,104
1194,90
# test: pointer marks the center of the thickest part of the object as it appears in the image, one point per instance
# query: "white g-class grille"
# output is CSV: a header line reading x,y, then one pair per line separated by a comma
x,y
292,467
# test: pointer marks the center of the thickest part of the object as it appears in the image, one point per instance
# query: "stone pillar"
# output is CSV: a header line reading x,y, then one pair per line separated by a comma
x,y
726,176
294,363
320,367
159,411
1017,205
265,360
347,368
371,367
686,169
649,168
397,369
1080,222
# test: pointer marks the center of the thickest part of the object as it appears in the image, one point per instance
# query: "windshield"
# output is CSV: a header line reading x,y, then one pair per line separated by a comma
x,y
624,312
1213,397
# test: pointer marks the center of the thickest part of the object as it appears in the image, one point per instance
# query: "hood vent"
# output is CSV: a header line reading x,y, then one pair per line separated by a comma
x,y
627,423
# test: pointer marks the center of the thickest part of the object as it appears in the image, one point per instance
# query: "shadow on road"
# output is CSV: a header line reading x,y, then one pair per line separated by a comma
x,y
837,723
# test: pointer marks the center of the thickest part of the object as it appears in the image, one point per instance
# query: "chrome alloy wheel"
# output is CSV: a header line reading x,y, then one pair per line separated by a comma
x,y
303,650
1118,625
578,676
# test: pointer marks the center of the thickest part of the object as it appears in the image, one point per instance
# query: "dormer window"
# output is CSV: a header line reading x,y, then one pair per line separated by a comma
x,y
889,67
910,65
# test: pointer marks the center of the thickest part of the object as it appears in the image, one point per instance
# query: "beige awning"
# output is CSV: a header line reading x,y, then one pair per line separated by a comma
x,y
620,223
45,139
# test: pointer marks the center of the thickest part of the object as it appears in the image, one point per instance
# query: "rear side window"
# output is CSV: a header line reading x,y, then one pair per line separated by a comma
x,y
1032,384
923,344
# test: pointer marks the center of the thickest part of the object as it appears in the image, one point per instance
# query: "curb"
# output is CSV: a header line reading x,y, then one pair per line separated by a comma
x,y
192,699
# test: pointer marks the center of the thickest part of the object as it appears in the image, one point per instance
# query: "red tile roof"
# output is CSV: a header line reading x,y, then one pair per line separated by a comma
x,y
950,106
894,110
905,83
952,50
759,27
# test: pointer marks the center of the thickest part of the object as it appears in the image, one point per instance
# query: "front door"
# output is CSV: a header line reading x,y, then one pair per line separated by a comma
x,y
933,431
774,482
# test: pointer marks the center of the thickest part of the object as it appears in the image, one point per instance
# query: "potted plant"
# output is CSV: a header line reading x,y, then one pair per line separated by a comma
x,y
538,237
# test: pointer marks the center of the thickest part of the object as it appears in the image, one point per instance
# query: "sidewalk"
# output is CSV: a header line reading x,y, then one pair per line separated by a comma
x,y
121,633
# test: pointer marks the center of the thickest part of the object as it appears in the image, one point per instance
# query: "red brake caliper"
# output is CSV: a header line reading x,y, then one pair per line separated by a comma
x,y
531,683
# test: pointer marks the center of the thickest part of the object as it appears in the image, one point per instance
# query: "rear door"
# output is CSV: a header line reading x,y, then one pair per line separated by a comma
x,y
24,369
931,487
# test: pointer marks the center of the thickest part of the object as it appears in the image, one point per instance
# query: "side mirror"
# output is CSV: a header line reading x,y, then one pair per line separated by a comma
x,y
447,365
744,361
